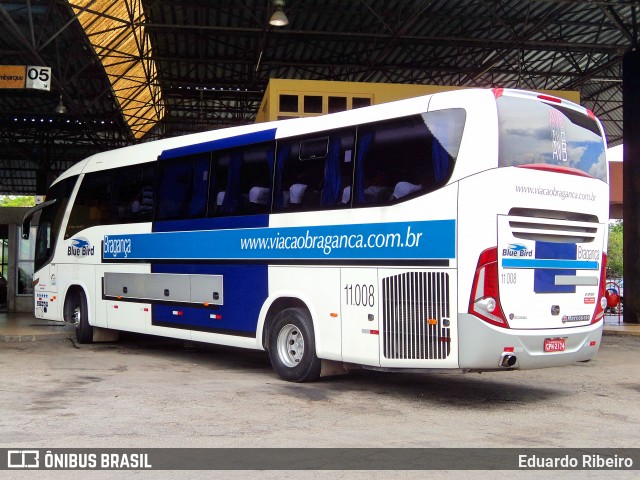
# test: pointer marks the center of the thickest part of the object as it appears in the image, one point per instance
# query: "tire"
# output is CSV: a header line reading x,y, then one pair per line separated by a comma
x,y
292,346
75,311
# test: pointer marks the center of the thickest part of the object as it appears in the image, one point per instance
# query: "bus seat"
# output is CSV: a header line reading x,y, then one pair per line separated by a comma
x,y
346,195
377,194
402,189
259,195
296,193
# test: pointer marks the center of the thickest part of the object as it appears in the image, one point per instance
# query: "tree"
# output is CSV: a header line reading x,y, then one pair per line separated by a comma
x,y
614,252
16,201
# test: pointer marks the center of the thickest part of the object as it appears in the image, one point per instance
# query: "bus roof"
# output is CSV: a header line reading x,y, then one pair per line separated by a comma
x,y
150,151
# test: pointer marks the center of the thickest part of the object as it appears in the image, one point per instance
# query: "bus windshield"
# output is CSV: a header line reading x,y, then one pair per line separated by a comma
x,y
51,219
533,132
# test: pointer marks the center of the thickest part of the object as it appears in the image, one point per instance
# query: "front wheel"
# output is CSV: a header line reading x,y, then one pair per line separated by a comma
x,y
292,346
76,312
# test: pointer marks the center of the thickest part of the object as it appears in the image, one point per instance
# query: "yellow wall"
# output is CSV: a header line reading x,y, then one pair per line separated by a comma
x,y
376,92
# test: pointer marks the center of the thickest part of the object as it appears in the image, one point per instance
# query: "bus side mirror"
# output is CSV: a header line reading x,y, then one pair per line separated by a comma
x,y
26,224
25,228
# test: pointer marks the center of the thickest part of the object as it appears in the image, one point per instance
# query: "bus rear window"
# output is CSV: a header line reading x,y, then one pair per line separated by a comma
x,y
533,132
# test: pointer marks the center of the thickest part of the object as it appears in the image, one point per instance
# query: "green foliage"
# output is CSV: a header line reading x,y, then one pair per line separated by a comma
x,y
614,252
16,201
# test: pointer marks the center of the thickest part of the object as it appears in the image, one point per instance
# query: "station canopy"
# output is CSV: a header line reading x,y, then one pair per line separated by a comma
x,y
126,71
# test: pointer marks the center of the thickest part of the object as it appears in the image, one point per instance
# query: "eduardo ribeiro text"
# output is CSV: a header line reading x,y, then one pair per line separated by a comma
x,y
568,461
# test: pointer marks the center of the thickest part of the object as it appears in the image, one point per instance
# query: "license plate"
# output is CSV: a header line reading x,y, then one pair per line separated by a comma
x,y
554,345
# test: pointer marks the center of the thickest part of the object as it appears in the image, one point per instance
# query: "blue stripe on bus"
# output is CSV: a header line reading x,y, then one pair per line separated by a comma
x,y
375,241
245,289
221,144
549,263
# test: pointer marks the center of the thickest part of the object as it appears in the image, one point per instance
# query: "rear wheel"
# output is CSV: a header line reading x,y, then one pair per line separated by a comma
x,y
76,312
292,347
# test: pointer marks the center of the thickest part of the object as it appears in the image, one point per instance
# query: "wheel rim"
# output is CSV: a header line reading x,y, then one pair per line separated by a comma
x,y
76,315
290,345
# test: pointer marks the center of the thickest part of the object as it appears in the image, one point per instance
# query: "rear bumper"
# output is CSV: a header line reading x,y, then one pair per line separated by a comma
x,y
482,345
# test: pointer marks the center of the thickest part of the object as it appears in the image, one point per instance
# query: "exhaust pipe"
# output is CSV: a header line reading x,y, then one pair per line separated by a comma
x,y
508,360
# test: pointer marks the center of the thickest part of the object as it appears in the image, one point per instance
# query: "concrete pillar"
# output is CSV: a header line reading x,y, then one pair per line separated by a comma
x,y
42,181
12,217
631,183
11,278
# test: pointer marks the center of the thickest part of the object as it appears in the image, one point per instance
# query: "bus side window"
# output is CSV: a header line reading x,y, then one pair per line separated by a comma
x,y
299,173
93,202
241,181
257,178
338,173
119,195
142,206
392,161
182,187
218,183
314,172
446,127
401,159
132,199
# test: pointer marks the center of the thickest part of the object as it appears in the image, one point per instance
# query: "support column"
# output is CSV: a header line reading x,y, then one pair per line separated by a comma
x,y
631,184
41,181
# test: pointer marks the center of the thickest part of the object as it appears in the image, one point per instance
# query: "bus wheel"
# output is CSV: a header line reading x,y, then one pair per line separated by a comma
x,y
292,347
75,311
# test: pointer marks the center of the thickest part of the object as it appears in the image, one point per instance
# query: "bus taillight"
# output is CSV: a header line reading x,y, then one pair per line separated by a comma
x,y
485,295
601,304
549,98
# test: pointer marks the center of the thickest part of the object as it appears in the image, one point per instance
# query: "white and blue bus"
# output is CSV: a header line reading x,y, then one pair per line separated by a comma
x,y
460,230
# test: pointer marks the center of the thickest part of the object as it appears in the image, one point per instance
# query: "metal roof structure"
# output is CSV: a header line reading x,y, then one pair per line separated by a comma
x,y
134,70
116,31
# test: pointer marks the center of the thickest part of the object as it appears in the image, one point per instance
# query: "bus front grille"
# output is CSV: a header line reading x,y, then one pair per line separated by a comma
x,y
414,305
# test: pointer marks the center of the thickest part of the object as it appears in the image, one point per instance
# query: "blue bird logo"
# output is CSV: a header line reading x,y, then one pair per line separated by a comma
x,y
80,243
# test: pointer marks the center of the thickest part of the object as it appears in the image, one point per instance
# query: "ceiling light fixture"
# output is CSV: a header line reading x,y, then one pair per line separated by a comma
x,y
278,18
60,108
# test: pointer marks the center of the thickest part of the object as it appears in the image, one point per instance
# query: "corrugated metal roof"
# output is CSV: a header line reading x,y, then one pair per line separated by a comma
x,y
116,32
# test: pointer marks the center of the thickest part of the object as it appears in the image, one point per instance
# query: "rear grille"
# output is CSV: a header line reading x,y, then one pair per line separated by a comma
x,y
414,305
552,226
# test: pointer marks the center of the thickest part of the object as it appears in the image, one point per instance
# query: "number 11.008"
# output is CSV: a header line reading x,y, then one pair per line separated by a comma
x,y
508,278
360,295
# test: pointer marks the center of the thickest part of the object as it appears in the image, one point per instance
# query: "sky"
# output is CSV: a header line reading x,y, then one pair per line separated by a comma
x,y
614,154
